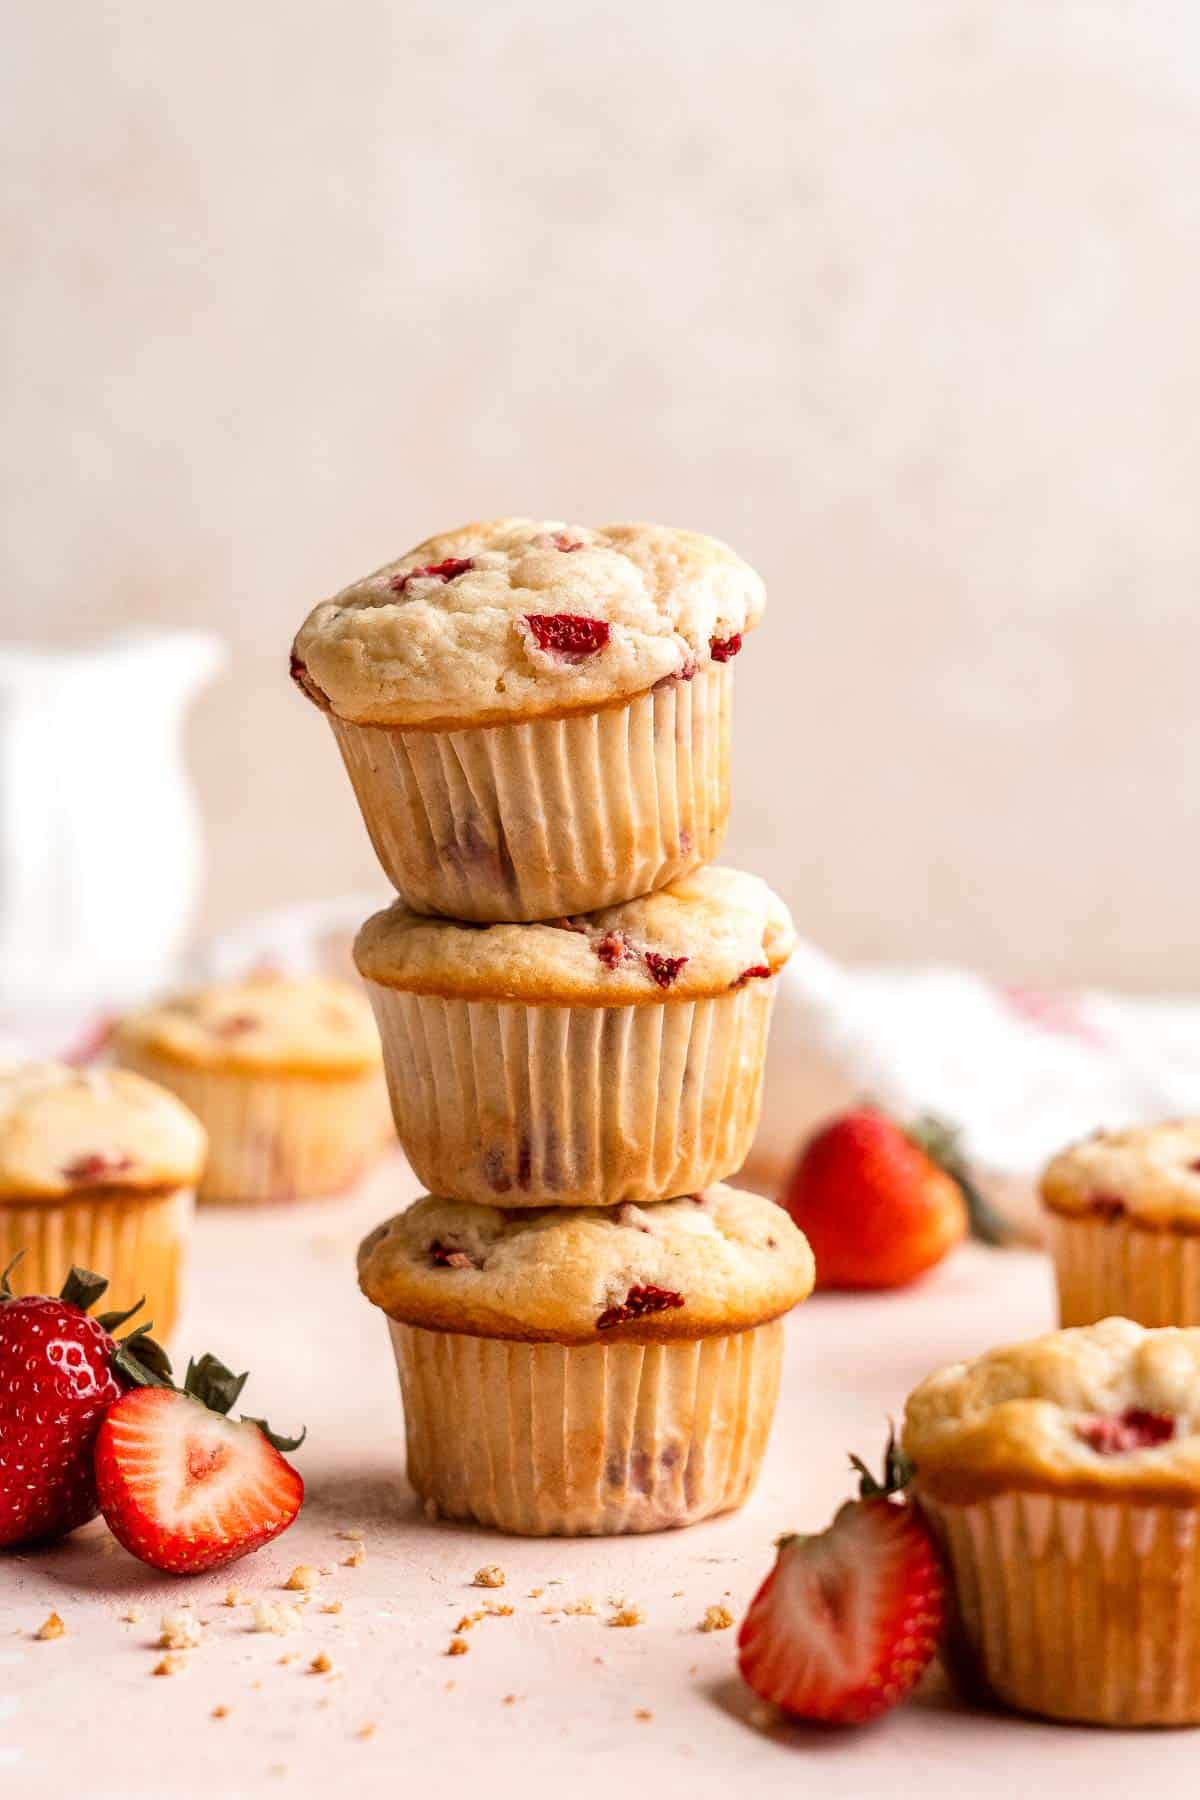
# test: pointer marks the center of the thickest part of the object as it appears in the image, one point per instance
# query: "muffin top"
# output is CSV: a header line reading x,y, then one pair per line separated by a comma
x,y
1151,1172
518,618
285,1024
710,932
710,1263
1101,1408
73,1131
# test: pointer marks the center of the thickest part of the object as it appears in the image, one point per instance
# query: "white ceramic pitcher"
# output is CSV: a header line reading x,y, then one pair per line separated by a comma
x,y
100,846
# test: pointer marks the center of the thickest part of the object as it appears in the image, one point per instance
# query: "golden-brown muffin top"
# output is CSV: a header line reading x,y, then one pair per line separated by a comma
x,y
1109,1409
285,1024
77,1131
675,1269
518,618
706,934
1150,1172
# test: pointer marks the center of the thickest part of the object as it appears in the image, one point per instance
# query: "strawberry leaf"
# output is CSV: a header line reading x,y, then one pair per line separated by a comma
x,y
141,1361
6,1292
942,1143
113,1321
83,1288
210,1382
276,1438
897,1472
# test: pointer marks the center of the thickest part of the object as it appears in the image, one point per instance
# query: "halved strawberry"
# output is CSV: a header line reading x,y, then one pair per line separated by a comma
x,y
847,1621
185,1488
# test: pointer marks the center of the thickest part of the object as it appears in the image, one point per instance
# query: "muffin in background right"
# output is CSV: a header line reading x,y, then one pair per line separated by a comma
x,y
1061,1478
1123,1214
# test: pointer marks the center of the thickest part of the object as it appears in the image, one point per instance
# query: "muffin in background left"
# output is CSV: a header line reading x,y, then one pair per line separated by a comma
x,y
98,1168
286,1073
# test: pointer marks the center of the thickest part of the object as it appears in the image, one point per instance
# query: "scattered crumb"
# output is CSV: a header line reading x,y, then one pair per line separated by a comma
x,y
584,1608
717,1618
274,1615
332,1606
289,1656
355,1536
320,1664
235,1596
325,1569
219,1712
628,1615
467,1620
510,1699
450,1686
131,1616
366,1731
178,1630
356,1558
678,1594
643,1713
303,1579
51,1627
458,1647
491,1575
171,1664
536,1593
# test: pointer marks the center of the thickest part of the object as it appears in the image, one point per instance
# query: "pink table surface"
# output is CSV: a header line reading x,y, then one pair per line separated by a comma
x,y
275,1292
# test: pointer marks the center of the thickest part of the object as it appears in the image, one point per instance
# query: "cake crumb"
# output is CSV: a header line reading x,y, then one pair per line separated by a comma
x,y
356,1558
275,1616
491,1575
289,1656
320,1664
366,1731
580,1608
332,1606
178,1630
219,1712
628,1615
678,1594
235,1596
510,1699
51,1627
131,1616
355,1536
716,1618
643,1713
303,1579
536,1593
458,1647
171,1664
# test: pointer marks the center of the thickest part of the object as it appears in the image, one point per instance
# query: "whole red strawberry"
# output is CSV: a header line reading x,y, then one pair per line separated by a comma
x,y
60,1371
847,1621
880,1204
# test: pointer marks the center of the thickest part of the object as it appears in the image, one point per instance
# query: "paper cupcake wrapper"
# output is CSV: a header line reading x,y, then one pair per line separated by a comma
x,y
514,1105
1078,1609
138,1241
546,1440
1107,1267
547,817
275,1138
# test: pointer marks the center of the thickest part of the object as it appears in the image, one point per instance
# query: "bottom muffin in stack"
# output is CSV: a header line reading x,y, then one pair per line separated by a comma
x,y
581,1370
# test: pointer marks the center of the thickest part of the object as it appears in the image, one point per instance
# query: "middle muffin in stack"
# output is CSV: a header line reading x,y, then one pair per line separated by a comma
x,y
536,721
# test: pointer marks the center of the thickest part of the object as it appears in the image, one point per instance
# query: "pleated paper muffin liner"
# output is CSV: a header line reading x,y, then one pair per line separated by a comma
x,y
1077,1608
138,1241
546,817
547,1440
277,1137
515,1105
1116,1267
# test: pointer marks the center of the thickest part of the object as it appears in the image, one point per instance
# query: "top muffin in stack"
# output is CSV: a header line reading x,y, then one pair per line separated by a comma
x,y
605,656
536,718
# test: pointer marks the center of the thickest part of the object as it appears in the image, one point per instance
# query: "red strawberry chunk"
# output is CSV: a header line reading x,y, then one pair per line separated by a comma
x,y
186,1489
448,570
569,635
638,1303
1116,1434
93,1165
725,649
610,949
448,1256
756,972
558,540
664,970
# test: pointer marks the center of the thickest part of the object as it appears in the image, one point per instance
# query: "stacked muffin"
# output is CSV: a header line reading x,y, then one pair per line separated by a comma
x,y
574,1011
